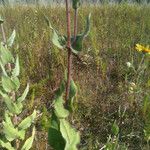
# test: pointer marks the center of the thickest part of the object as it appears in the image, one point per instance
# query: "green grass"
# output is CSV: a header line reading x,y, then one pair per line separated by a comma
x,y
100,72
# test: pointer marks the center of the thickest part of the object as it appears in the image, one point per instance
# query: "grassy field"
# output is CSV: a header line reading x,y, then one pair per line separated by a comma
x,y
100,71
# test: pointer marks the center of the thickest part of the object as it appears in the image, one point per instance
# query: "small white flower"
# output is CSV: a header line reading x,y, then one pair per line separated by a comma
x,y
129,64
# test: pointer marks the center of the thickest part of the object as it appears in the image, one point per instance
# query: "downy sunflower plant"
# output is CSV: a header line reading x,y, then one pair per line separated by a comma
x,y
14,127
62,136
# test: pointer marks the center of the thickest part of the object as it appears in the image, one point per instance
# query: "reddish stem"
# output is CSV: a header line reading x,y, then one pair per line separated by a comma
x,y
69,74
75,28
69,49
68,24
75,24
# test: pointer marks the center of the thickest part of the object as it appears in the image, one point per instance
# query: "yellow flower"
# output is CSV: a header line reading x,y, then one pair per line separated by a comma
x,y
143,49
139,47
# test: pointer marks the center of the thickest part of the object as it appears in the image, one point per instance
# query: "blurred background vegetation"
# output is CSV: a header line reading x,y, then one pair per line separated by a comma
x,y
100,71
51,2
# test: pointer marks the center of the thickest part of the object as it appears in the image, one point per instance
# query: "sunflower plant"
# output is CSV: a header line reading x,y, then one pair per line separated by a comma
x,y
14,127
62,136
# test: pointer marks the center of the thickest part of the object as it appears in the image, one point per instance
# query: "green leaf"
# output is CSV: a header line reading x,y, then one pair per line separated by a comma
x,y
73,89
72,93
22,134
57,39
28,143
10,132
16,70
54,121
5,55
70,135
10,41
55,139
26,123
78,43
61,90
8,119
19,106
3,69
22,98
87,29
76,4
9,85
7,101
115,128
17,82
6,145
59,109
47,21
12,106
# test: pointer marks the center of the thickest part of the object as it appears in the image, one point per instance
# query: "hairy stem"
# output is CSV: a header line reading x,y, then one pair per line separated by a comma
x,y
75,30
68,24
69,50
75,24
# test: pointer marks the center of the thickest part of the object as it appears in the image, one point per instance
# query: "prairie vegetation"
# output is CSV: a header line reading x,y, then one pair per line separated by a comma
x,y
108,91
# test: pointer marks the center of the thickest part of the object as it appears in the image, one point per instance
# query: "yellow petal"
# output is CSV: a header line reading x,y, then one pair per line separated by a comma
x,y
139,47
146,50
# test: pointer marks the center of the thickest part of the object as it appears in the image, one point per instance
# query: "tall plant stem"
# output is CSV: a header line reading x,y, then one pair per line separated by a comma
x,y
75,29
75,24
68,24
69,50
13,94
